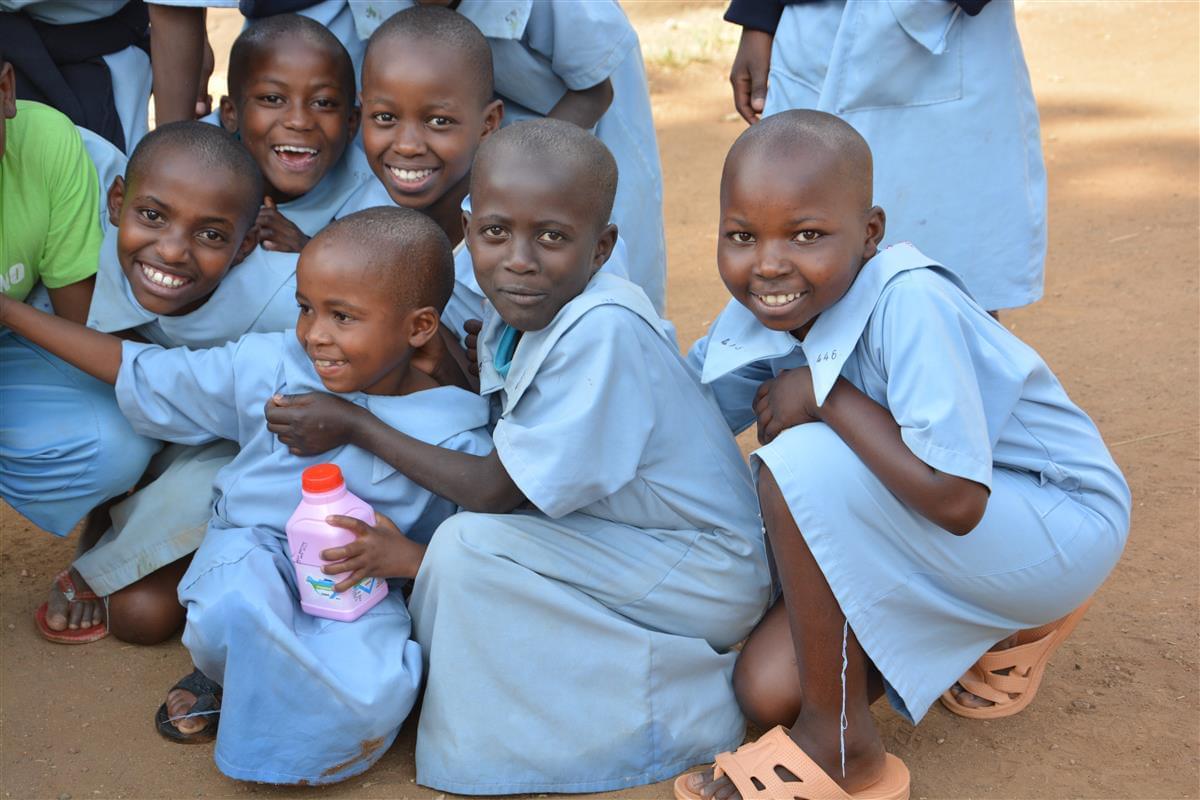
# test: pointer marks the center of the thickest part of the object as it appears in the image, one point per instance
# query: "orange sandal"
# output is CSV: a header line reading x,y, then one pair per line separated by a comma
x,y
752,770
92,633
1010,678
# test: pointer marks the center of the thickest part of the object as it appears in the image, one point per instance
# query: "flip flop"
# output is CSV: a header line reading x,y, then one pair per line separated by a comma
x,y
751,768
208,704
92,633
1010,678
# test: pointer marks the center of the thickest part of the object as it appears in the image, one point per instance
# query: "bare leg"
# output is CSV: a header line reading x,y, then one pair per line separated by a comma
x,y
1021,637
816,624
148,611
62,614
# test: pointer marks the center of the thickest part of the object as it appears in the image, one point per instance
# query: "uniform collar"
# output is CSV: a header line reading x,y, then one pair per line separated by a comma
x,y
535,346
313,210
113,305
738,338
498,19
432,416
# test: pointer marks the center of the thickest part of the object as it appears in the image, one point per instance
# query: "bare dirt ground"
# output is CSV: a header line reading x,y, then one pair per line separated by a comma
x,y
1117,715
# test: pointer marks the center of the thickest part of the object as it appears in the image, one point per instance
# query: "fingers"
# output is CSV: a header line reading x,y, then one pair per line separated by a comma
x,y
741,96
385,525
349,583
473,326
357,526
268,203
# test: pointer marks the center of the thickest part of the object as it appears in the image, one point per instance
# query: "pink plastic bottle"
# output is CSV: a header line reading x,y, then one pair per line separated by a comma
x,y
325,493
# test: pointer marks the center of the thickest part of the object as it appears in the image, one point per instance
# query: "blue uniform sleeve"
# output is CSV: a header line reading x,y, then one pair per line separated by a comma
x,y
579,432
924,342
583,41
182,395
734,392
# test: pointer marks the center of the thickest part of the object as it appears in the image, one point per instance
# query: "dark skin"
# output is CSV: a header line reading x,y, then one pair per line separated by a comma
x,y
748,76
794,234
526,235
182,61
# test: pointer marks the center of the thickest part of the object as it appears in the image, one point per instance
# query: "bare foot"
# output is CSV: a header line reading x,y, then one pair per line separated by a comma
x,y
62,613
179,703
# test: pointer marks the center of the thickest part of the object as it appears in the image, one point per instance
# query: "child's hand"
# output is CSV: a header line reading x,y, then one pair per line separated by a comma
x,y
785,401
380,551
473,327
277,232
311,424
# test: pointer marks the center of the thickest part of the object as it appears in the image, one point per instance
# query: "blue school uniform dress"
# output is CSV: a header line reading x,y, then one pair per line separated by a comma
x,y
540,50
305,698
971,400
945,102
582,643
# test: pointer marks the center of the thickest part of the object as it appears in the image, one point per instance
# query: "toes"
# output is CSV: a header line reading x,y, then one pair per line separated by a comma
x,y
56,611
179,703
75,615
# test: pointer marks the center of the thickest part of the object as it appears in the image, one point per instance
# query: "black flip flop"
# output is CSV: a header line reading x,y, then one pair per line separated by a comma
x,y
208,699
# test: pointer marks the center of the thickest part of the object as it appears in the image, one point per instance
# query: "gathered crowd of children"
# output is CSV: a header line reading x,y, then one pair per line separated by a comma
x,y
425,245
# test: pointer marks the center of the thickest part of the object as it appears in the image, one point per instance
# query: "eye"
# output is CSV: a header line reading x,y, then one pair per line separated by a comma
x,y
209,235
493,231
149,214
439,122
553,237
270,99
325,103
808,236
305,308
341,316
383,117
741,237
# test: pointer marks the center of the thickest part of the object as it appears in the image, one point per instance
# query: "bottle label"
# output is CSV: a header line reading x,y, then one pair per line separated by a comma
x,y
317,588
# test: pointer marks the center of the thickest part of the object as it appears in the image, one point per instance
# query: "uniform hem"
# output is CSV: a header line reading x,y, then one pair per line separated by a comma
x,y
284,778
579,787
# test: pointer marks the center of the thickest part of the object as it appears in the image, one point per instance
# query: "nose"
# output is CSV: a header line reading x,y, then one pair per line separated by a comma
x,y
408,140
298,117
316,331
172,245
521,260
774,261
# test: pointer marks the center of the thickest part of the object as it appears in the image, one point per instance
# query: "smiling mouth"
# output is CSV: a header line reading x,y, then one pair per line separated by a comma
x,y
778,300
162,279
410,179
522,297
296,157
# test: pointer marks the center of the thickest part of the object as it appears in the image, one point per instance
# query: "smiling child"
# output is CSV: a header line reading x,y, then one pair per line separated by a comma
x,y
291,103
305,699
927,487
578,625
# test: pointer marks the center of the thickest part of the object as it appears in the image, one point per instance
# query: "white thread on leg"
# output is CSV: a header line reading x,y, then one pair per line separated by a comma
x,y
843,724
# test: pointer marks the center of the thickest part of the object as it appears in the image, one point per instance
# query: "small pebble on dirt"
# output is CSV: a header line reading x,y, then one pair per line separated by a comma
x,y
24,573
64,796
941,740
1082,705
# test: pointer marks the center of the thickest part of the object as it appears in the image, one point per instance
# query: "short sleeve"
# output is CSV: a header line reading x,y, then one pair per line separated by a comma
x,y
927,348
584,42
759,15
734,392
580,431
188,396
72,246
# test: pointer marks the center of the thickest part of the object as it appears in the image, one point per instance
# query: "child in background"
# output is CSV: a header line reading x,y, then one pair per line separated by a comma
x,y
926,485
578,625
306,700
292,104
580,62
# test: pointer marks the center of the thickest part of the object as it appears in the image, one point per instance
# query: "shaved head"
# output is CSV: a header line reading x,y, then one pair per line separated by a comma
x,y
561,145
282,31
807,134
449,31
404,249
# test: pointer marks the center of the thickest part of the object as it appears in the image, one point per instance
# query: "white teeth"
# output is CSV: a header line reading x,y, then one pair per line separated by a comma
x,y
162,278
320,362
291,148
410,175
777,299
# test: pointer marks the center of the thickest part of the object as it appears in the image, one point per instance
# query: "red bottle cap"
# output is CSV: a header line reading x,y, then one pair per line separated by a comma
x,y
321,478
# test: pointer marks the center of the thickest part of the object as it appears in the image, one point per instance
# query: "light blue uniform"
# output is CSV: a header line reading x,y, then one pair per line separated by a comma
x,y
540,50
130,68
305,699
971,400
583,644
945,102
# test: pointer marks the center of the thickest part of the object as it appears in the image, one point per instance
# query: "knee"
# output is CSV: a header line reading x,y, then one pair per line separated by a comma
x,y
765,699
141,614
122,457
453,547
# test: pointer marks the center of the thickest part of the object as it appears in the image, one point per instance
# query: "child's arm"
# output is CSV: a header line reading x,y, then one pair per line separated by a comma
x,y
277,232
315,423
950,502
97,354
73,301
584,107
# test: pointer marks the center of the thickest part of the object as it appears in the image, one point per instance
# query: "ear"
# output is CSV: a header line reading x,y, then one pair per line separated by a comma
x,y
249,242
228,114
876,225
354,122
606,242
116,196
466,223
422,324
493,115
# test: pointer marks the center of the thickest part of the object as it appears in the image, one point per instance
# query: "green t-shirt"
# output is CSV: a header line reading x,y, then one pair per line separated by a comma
x,y
49,203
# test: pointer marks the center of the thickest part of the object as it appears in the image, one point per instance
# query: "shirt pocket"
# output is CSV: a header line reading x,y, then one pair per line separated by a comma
x,y
896,54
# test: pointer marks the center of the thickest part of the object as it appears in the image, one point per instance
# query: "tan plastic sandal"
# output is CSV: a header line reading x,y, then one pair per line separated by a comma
x,y
751,768
1010,678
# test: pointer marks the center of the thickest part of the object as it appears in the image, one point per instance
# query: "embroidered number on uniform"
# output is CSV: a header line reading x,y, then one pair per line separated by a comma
x,y
830,355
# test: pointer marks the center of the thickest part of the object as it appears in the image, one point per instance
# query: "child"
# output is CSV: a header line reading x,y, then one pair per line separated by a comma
x,y
942,94
186,214
577,626
292,104
926,485
306,700
579,62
